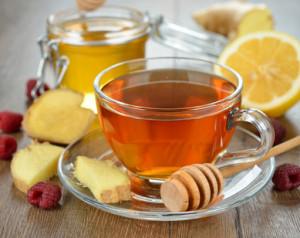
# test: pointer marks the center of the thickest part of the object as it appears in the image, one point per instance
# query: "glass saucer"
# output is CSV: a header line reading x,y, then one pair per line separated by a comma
x,y
94,145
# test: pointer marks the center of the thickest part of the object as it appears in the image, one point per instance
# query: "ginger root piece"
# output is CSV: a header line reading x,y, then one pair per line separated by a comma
x,y
108,183
89,5
56,116
235,18
36,162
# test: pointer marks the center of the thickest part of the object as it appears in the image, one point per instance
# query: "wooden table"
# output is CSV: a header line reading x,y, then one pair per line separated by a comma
x,y
270,214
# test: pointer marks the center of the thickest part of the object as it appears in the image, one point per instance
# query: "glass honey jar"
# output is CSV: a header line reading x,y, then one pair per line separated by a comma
x,y
81,44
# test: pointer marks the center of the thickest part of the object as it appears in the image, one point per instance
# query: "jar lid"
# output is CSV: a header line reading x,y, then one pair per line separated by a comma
x,y
105,26
198,43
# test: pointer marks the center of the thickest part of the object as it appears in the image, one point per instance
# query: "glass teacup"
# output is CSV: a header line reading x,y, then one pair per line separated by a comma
x,y
161,114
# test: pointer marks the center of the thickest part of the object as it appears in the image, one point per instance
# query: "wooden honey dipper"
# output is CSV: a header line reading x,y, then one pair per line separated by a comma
x,y
196,186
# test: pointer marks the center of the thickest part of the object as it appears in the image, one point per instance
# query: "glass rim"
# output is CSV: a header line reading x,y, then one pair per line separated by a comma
x,y
229,98
142,28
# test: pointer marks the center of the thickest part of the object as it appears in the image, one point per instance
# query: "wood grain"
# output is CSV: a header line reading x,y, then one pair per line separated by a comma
x,y
272,214
224,225
269,214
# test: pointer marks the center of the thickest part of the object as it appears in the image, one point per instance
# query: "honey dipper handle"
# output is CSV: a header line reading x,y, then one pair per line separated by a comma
x,y
276,150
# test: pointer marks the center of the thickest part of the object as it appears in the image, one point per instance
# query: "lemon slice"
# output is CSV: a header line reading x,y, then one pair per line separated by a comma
x,y
269,63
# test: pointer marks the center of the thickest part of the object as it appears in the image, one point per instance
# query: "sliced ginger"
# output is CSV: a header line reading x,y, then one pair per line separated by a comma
x,y
57,116
235,18
108,183
36,162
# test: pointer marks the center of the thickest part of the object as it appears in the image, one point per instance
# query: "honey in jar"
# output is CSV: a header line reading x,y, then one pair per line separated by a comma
x,y
86,43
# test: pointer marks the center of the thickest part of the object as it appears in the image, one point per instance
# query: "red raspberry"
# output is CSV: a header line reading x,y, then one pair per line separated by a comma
x,y
8,145
45,195
286,177
280,131
10,121
30,85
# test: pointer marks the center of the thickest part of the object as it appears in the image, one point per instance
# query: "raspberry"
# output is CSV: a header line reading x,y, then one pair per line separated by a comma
x,y
45,195
8,145
30,85
286,177
10,121
280,131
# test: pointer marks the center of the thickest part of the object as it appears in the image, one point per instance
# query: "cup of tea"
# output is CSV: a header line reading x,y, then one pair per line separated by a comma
x,y
161,114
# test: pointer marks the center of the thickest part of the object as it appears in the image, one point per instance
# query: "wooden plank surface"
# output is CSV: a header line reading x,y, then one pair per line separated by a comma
x,y
269,214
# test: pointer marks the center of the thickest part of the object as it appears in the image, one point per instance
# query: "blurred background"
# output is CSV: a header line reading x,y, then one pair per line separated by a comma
x,y
20,26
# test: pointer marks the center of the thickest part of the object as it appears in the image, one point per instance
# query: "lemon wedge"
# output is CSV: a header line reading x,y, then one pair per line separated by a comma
x,y
269,63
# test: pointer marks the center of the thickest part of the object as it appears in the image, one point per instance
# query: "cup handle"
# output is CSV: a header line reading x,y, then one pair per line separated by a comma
x,y
265,129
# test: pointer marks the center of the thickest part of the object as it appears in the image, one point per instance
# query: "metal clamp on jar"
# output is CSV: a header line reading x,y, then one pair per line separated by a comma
x,y
81,44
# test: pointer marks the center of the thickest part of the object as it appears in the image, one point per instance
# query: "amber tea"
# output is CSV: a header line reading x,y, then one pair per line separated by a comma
x,y
160,114
155,143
